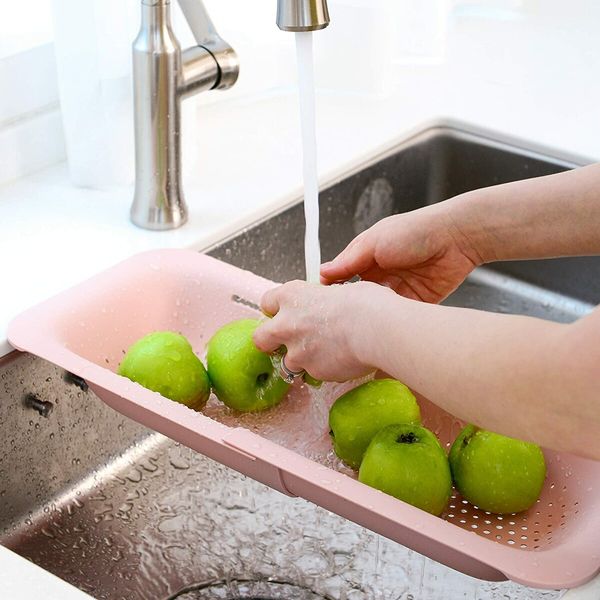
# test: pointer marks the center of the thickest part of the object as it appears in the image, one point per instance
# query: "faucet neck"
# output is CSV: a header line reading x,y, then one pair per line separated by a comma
x,y
163,75
156,14
156,33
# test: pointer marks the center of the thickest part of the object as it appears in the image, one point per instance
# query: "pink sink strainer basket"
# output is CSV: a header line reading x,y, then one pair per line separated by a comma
x,y
85,330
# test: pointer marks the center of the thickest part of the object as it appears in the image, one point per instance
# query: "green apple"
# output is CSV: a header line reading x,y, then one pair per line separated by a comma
x,y
164,362
242,376
498,474
360,413
407,462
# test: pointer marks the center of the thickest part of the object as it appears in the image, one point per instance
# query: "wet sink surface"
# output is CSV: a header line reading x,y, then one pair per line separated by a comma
x,y
124,513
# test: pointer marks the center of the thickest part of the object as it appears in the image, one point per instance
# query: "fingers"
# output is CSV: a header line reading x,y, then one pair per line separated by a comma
x,y
267,337
291,362
269,303
272,300
356,258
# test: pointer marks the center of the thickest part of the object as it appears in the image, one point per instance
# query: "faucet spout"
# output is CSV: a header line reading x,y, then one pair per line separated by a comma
x,y
302,15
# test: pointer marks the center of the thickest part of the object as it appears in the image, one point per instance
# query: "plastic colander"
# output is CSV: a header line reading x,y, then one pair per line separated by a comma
x,y
86,330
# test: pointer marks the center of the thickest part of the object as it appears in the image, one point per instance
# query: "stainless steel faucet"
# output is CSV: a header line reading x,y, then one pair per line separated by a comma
x,y
163,75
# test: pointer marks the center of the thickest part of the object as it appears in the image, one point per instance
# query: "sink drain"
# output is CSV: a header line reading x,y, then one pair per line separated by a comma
x,y
246,590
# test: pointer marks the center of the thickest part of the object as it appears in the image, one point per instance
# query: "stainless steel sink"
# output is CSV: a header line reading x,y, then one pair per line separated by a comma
x,y
124,513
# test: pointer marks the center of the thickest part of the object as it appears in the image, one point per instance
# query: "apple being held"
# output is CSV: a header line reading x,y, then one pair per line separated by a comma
x,y
164,362
242,376
407,462
496,473
359,414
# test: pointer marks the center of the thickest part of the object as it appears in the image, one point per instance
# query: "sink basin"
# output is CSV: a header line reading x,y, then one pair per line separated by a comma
x,y
124,513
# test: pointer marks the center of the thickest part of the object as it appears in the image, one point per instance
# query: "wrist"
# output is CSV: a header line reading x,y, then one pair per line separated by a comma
x,y
368,339
468,220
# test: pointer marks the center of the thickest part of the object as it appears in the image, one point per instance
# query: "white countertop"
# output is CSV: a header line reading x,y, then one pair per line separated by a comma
x,y
22,580
530,73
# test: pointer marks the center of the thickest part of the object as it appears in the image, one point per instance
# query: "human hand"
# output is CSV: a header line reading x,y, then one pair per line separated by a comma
x,y
326,330
422,255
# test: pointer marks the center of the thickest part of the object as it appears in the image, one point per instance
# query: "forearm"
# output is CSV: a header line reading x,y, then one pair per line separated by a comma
x,y
515,375
557,215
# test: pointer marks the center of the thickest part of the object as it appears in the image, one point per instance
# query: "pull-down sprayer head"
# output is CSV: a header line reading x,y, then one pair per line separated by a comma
x,y
302,15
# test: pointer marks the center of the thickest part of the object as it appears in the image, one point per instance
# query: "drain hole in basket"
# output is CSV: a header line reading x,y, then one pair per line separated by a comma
x,y
241,589
532,530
